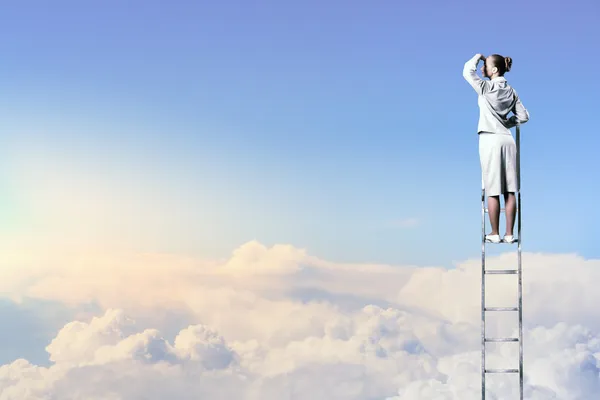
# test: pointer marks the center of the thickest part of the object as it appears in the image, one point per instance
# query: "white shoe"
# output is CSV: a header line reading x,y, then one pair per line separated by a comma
x,y
509,239
492,238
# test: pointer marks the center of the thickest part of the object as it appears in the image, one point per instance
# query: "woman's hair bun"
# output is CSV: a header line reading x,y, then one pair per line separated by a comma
x,y
508,63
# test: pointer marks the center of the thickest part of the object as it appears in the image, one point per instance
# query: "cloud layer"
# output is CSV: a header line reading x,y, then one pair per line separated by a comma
x,y
278,323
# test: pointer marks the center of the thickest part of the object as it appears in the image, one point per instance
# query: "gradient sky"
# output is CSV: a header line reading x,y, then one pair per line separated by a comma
x,y
345,128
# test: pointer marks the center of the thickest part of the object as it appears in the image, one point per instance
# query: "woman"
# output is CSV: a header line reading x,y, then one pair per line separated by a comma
x,y
497,147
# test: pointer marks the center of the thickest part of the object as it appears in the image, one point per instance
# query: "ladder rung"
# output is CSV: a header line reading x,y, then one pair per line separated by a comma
x,y
503,242
501,271
501,371
502,309
499,340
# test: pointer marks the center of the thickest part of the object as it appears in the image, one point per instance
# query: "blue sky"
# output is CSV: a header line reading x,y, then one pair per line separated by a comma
x,y
316,124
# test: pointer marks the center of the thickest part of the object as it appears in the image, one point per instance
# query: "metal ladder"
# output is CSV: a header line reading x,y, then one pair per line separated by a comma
x,y
484,273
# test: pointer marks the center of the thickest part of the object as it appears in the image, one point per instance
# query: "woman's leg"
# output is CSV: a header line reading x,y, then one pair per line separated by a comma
x,y
494,213
509,156
510,202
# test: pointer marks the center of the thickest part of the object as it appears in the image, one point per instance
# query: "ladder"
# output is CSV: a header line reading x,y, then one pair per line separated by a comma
x,y
484,273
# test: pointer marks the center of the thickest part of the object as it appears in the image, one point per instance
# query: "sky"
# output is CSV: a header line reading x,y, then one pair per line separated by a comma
x,y
277,156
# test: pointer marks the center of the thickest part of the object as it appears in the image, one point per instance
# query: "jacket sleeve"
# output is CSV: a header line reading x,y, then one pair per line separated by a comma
x,y
521,114
470,75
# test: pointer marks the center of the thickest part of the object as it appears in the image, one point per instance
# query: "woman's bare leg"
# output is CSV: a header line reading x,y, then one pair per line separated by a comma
x,y
494,213
510,202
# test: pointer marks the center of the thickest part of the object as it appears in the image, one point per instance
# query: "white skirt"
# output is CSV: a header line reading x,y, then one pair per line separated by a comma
x,y
498,157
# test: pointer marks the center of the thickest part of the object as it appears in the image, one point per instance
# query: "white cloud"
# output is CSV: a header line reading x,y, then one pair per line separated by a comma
x,y
278,323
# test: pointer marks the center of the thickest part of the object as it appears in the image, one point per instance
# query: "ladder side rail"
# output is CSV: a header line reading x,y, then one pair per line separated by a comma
x,y
482,289
520,277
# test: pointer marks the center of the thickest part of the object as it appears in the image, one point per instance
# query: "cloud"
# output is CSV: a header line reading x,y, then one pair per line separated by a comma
x,y
276,322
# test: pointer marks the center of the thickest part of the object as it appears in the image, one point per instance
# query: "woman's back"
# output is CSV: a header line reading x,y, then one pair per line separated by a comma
x,y
496,99
501,96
